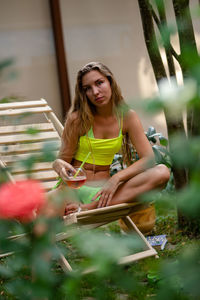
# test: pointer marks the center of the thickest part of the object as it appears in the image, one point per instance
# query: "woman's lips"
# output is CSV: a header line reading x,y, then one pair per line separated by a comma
x,y
99,99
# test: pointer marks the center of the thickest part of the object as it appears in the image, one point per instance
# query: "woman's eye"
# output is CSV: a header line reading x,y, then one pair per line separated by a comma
x,y
86,89
99,82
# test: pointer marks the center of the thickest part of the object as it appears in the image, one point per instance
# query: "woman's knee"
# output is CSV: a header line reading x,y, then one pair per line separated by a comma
x,y
162,174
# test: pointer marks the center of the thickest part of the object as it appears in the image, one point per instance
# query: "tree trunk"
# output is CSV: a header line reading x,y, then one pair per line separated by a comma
x,y
188,43
173,126
163,21
187,40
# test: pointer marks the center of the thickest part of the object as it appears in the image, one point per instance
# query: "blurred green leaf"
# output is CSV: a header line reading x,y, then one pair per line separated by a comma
x,y
185,152
188,201
32,130
5,271
104,250
8,99
163,141
166,32
152,105
6,63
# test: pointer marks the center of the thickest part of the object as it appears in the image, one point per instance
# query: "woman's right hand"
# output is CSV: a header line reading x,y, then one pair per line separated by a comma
x,y
62,167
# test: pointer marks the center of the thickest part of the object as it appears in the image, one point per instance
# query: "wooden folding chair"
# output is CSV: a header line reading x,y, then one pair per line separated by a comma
x,y
16,144
97,217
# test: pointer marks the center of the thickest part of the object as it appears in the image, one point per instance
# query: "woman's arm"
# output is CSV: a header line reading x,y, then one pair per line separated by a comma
x,y
134,128
68,147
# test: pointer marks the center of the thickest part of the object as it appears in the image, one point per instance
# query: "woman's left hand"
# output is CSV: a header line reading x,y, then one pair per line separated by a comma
x,y
107,192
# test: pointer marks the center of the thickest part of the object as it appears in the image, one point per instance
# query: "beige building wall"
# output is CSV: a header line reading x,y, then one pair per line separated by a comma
x,y
109,31
26,35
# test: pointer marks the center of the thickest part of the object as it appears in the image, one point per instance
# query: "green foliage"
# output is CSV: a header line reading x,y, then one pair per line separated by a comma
x,y
166,32
162,155
33,272
5,72
181,276
27,274
8,99
3,174
161,152
4,64
102,249
185,152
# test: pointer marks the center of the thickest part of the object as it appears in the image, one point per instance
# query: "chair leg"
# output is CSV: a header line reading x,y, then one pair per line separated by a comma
x,y
131,225
6,254
64,263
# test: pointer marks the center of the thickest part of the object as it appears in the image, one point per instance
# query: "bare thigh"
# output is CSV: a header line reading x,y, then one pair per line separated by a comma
x,y
153,178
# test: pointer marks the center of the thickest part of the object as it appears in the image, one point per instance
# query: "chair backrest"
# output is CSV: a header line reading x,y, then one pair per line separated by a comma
x,y
26,127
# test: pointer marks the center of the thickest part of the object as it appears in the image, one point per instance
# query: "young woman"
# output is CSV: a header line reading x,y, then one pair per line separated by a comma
x,y
99,122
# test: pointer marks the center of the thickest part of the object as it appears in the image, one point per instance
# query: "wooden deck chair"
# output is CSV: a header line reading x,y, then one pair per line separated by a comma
x,y
16,144
17,119
97,217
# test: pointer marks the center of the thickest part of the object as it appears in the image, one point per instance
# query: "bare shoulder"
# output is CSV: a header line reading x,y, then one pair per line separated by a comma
x,y
72,118
131,121
71,127
135,130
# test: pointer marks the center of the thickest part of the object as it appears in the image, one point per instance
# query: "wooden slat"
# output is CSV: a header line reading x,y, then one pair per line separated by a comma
x,y
6,254
57,124
131,225
15,112
23,104
106,214
104,218
48,185
8,159
112,214
22,138
64,263
137,256
36,167
24,148
23,128
126,259
41,175
70,231
108,209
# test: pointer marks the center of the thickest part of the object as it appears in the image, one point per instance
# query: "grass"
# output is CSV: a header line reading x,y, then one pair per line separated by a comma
x,y
144,274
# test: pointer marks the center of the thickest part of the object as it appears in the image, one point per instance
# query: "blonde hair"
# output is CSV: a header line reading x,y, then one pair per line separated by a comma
x,y
85,110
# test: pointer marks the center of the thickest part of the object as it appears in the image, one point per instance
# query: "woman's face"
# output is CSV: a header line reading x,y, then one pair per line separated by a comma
x,y
97,88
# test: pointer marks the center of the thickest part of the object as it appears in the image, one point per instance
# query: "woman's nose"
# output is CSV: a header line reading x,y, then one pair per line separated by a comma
x,y
95,90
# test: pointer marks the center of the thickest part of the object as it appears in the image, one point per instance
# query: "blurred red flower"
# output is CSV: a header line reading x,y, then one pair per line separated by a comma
x,y
21,200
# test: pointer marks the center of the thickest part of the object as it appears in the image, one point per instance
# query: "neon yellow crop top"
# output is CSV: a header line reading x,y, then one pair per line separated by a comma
x,y
102,150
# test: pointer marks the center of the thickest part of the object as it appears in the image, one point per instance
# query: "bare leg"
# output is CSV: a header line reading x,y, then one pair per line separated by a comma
x,y
146,181
56,202
128,191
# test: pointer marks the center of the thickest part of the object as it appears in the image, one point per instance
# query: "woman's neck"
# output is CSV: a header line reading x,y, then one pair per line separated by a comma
x,y
106,111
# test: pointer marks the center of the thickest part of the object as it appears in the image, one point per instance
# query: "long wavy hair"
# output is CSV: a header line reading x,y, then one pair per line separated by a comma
x,y
85,110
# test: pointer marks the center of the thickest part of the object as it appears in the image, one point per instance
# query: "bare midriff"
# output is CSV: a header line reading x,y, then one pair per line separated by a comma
x,y
94,172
